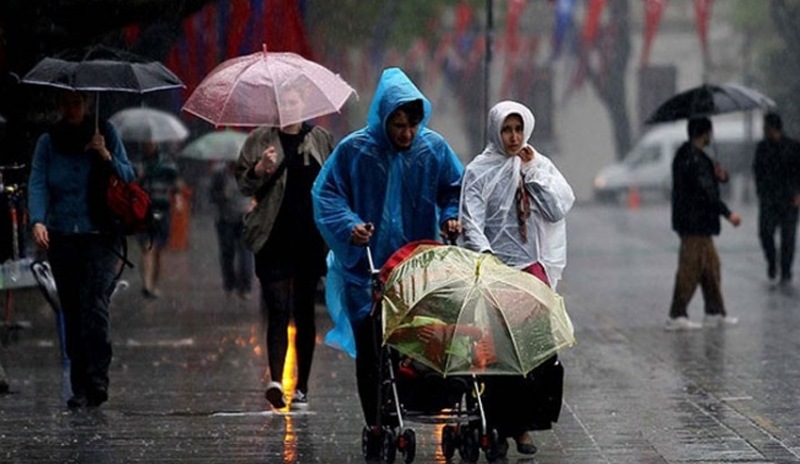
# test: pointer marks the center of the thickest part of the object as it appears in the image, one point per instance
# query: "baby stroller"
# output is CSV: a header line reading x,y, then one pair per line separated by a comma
x,y
439,336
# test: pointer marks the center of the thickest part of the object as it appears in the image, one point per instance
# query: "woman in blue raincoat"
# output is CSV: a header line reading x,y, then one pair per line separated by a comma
x,y
390,183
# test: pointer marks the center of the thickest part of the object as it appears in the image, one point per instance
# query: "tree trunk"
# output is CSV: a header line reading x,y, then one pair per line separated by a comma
x,y
609,83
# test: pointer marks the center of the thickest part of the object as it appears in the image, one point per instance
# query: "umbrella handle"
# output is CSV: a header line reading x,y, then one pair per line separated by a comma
x,y
371,263
97,112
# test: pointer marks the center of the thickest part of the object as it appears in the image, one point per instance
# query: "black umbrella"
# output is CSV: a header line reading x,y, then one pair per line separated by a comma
x,y
102,69
708,100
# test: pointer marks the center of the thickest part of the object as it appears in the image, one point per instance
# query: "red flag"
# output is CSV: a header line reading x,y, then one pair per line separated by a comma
x,y
511,45
595,11
653,11
702,9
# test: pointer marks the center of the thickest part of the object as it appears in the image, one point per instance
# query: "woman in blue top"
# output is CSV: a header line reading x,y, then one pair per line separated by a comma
x,y
66,205
393,182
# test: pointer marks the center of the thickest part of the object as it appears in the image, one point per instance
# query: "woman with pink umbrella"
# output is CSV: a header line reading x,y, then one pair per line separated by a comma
x,y
277,166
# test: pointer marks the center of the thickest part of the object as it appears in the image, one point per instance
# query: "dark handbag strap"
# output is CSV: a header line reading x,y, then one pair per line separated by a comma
x,y
261,192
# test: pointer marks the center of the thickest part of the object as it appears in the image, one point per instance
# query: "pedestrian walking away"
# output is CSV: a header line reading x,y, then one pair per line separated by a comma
x,y
390,183
236,260
66,204
158,175
277,166
696,209
513,205
776,168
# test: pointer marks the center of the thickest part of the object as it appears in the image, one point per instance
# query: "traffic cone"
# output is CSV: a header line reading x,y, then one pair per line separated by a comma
x,y
633,198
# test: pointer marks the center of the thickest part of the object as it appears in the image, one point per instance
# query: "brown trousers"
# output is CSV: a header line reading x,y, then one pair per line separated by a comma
x,y
698,263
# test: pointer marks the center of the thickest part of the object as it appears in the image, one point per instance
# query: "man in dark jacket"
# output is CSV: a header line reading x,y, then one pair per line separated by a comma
x,y
696,209
776,168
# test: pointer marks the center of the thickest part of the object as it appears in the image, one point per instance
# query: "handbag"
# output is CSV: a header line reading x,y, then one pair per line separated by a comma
x,y
130,205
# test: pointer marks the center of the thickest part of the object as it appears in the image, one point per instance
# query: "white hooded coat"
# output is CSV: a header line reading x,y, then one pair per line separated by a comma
x,y
488,211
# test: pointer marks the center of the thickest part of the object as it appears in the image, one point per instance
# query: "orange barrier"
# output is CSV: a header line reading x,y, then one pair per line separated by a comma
x,y
634,201
179,220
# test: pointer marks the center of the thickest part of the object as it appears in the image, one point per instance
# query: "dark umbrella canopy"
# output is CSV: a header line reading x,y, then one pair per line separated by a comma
x,y
708,100
100,68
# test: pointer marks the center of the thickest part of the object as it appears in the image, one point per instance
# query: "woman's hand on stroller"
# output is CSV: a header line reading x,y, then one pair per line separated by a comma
x,y
451,229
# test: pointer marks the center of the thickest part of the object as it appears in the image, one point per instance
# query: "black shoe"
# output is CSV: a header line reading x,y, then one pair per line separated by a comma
x,y
772,272
151,294
525,447
97,397
77,402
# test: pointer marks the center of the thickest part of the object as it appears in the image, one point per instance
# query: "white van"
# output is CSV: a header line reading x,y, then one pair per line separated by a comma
x,y
648,166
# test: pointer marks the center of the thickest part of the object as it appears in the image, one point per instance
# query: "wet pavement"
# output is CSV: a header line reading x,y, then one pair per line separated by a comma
x,y
187,378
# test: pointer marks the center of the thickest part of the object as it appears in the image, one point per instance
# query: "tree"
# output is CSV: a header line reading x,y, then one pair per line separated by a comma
x,y
772,31
609,76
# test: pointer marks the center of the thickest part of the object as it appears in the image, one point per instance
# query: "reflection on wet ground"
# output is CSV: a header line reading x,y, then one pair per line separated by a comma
x,y
189,368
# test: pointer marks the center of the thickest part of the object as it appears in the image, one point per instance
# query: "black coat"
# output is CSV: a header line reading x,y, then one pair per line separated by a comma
x,y
696,204
776,168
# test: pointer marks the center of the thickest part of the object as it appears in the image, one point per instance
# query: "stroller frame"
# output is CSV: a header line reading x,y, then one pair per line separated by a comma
x,y
465,428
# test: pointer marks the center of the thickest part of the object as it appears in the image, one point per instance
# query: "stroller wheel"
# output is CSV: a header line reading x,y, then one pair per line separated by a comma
x,y
470,444
370,443
449,441
388,445
408,445
496,449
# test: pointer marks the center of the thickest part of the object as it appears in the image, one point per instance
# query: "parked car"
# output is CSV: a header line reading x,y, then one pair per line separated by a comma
x,y
648,166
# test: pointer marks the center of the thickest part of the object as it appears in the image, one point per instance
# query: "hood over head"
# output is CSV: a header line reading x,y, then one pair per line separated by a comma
x,y
498,114
394,89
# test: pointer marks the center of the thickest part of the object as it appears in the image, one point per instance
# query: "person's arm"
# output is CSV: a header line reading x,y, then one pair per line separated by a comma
x,y
758,169
119,156
449,192
708,190
38,196
252,170
547,187
473,213
333,213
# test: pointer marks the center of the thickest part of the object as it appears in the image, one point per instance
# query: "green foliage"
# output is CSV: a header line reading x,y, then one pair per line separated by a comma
x,y
354,23
772,28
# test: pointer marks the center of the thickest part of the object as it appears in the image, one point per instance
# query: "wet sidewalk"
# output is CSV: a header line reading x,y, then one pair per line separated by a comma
x,y
187,378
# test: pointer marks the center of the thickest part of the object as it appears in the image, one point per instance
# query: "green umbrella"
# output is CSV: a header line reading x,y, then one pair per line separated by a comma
x,y
461,312
215,146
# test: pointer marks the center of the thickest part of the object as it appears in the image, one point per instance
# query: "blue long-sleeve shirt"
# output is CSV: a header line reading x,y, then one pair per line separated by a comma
x,y
58,187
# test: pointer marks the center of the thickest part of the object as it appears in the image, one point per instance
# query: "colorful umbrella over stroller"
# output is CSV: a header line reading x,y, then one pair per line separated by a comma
x,y
461,312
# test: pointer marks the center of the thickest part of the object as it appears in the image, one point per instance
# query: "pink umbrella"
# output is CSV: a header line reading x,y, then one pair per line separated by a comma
x,y
272,89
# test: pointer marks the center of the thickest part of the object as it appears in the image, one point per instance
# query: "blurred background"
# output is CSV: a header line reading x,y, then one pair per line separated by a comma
x,y
591,70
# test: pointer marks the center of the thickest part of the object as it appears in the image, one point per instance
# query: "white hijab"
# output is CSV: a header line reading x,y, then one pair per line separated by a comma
x,y
488,206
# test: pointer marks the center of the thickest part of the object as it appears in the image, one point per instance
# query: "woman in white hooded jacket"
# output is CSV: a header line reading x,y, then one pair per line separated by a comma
x,y
513,204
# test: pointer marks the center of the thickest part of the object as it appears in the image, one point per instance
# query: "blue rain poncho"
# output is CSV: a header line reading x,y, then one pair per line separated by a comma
x,y
406,194
488,204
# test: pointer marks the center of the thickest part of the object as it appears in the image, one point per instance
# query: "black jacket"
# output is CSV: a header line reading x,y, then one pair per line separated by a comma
x,y
776,168
696,204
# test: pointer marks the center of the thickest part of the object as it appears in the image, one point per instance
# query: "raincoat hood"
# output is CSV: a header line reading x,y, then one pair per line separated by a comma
x,y
394,89
494,124
488,206
406,194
